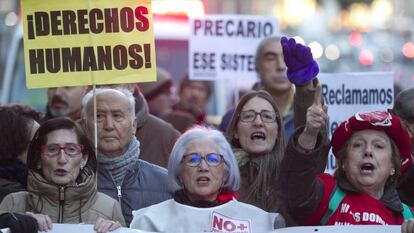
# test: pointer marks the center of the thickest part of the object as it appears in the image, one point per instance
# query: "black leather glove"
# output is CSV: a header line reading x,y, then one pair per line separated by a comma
x,y
18,223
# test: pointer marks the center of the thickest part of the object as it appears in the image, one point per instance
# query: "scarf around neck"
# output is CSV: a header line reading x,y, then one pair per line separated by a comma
x,y
119,166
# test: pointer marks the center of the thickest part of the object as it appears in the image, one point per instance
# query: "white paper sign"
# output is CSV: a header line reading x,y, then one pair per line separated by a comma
x,y
349,93
224,46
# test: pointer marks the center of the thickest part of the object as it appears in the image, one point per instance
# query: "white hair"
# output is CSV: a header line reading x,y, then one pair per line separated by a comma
x,y
199,132
98,91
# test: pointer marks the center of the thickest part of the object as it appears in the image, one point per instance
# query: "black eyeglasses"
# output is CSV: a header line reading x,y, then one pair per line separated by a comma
x,y
193,160
250,116
71,149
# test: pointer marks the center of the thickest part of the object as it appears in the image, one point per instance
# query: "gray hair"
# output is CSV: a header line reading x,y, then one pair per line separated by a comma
x,y
404,105
175,165
263,43
127,93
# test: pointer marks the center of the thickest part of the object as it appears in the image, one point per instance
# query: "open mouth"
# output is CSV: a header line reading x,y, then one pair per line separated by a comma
x,y
367,168
258,136
60,172
203,180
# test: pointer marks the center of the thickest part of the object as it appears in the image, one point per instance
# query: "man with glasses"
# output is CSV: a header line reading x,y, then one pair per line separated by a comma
x,y
121,175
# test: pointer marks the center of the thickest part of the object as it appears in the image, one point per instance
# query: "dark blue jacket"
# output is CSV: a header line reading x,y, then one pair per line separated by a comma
x,y
144,185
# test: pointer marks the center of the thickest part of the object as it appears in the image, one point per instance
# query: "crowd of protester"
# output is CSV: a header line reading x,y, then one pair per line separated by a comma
x,y
135,155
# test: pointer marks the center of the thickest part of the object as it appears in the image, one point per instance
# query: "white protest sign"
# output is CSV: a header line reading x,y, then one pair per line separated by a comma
x,y
70,228
224,46
349,93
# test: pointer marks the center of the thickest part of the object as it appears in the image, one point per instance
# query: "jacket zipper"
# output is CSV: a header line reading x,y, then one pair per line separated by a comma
x,y
119,194
61,203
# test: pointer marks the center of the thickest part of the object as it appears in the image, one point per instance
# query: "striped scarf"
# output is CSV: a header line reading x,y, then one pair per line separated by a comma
x,y
120,165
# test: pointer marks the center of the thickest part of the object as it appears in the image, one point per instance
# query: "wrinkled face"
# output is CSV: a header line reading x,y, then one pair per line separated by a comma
x,y
115,124
65,101
368,163
62,169
271,68
194,95
202,182
257,137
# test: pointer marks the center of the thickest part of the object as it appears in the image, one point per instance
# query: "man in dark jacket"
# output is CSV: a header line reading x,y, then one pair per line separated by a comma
x,y
121,174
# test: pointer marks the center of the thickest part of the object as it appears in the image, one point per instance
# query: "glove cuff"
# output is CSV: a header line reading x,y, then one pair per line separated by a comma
x,y
304,75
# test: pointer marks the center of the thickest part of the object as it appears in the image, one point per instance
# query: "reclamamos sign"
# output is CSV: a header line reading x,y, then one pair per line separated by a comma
x,y
81,42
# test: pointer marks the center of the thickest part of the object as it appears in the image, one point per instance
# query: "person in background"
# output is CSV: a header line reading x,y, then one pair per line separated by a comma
x,y
161,100
61,185
193,99
121,174
157,145
158,94
271,70
204,177
404,109
371,148
64,101
18,124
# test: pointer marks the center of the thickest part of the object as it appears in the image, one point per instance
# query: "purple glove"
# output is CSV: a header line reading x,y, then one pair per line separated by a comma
x,y
302,68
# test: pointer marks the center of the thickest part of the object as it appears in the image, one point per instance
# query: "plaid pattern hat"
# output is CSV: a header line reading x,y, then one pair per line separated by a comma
x,y
377,120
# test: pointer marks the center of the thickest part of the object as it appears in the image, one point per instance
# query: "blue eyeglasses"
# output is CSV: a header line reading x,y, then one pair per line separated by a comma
x,y
194,160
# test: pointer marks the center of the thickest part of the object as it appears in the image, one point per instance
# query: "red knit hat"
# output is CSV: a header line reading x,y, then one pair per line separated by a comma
x,y
378,120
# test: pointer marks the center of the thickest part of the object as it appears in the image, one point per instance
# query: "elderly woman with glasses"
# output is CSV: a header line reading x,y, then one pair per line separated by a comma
x,y
203,177
61,182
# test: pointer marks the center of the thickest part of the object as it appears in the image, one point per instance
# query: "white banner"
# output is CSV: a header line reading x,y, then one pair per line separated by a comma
x,y
224,46
70,228
349,93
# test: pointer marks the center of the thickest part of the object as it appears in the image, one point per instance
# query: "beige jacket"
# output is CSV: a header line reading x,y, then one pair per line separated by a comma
x,y
64,204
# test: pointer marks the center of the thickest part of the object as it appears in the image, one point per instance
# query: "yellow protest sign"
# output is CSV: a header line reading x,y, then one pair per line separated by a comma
x,y
81,42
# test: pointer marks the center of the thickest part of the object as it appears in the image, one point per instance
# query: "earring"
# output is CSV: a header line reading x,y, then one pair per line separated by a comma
x,y
392,171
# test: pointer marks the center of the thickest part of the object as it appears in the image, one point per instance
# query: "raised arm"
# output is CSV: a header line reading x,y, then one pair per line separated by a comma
x,y
302,72
301,190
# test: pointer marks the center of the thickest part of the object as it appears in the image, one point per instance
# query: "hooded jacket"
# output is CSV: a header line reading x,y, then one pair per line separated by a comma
x,y
79,203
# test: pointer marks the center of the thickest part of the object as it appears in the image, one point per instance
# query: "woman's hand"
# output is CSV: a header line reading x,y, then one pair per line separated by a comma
x,y
316,119
408,226
103,225
43,221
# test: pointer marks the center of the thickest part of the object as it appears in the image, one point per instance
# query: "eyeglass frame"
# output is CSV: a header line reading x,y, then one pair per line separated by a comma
x,y
203,158
260,114
43,149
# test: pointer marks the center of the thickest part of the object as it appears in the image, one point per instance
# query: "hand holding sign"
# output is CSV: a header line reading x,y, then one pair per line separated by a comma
x,y
302,68
316,119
